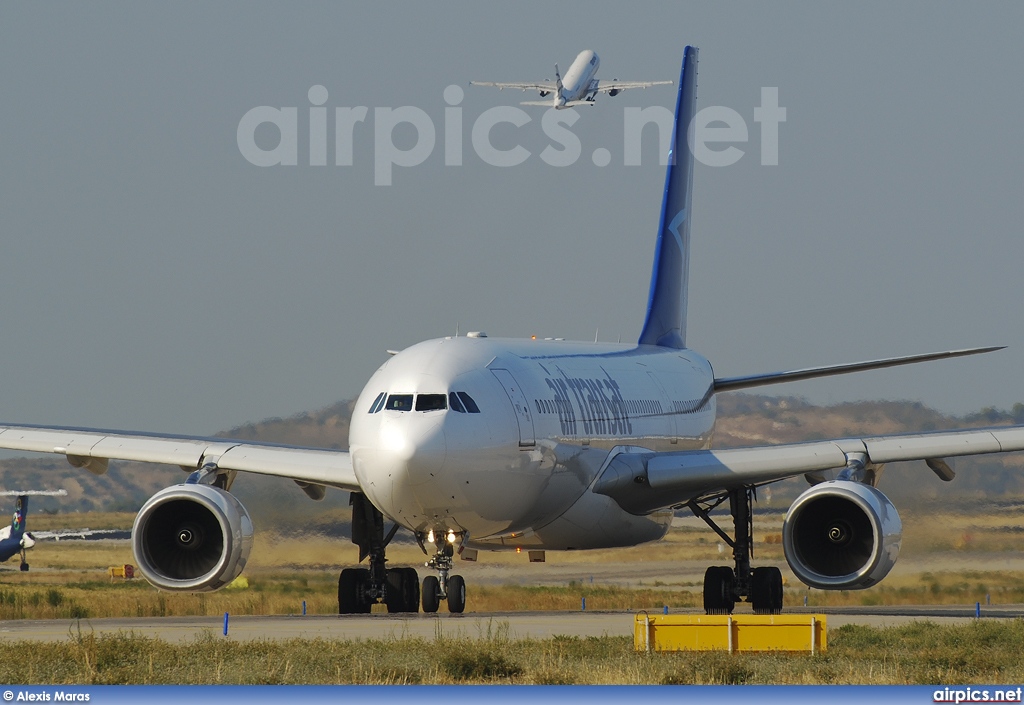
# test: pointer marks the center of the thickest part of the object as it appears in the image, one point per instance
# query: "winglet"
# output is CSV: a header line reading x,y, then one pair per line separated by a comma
x,y
666,307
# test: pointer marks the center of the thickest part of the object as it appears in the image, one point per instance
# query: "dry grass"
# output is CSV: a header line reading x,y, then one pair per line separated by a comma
x,y
919,653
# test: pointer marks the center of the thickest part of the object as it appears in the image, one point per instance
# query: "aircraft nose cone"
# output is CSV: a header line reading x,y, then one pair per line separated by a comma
x,y
417,449
408,460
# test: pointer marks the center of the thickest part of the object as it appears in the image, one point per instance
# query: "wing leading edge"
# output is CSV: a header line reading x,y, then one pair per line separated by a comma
x,y
644,482
613,85
92,448
544,86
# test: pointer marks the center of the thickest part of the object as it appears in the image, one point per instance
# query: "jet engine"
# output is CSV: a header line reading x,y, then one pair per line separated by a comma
x,y
193,538
842,535
613,92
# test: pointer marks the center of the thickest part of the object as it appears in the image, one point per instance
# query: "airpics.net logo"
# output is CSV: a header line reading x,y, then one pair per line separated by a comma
x,y
714,133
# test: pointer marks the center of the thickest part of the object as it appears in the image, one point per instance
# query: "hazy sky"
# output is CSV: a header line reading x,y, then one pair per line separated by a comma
x,y
153,278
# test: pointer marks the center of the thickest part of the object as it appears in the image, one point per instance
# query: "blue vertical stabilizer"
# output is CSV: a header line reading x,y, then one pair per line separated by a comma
x,y
10,543
666,308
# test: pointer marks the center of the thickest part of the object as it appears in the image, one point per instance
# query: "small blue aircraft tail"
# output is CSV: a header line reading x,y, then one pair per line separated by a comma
x,y
666,307
10,545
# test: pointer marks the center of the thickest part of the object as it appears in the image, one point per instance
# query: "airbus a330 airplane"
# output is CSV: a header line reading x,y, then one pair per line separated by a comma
x,y
580,87
482,443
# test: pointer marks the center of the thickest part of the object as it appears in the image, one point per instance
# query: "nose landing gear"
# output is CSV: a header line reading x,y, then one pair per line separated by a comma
x,y
444,586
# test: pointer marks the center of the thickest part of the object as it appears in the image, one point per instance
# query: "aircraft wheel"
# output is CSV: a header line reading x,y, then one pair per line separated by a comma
x,y
766,590
347,603
760,591
718,590
363,603
395,595
772,587
431,594
403,590
24,567
411,590
456,594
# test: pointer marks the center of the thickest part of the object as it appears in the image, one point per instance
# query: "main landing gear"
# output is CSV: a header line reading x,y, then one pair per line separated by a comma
x,y
443,586
725,586
361,588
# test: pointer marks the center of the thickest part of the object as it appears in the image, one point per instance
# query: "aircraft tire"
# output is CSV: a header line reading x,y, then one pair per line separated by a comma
x,y
347,591
766,590
718,590
456,594
403,590
431,594
411,590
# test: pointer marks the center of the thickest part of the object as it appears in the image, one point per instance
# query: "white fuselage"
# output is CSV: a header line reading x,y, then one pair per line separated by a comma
x,y
518,473
576,84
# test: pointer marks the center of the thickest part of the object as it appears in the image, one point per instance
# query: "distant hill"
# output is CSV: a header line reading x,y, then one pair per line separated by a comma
x,y
744,420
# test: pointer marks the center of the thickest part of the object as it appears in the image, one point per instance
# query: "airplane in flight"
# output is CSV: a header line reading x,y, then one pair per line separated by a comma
x,y
579,87
476,443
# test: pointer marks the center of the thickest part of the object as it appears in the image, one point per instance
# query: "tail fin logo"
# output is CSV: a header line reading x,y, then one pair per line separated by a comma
x,y
675,227
19,517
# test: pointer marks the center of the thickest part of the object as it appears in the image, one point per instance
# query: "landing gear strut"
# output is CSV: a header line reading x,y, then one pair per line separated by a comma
x,y
443,586
725,586
360,588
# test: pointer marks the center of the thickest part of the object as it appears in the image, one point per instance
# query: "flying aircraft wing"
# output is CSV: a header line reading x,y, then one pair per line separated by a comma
x,y
92,448
644,481
608,86
548,86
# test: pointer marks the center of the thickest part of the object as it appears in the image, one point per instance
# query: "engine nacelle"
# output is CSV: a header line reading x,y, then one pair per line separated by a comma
x,y
842,535
192,538
614,91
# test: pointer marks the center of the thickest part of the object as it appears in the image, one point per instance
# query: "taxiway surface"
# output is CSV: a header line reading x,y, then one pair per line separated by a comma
x,y
515,625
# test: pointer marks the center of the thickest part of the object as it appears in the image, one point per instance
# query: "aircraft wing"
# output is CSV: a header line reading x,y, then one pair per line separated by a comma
x,y
644,481
92,448
607,86
731,384
542,86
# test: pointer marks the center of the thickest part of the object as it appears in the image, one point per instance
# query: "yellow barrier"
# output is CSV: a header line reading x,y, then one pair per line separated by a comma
x,y
125,572
735,633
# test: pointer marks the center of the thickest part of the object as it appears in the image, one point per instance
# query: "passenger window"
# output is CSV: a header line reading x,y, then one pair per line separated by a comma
x,y
455,404
399,402
468,402
377,404
431,402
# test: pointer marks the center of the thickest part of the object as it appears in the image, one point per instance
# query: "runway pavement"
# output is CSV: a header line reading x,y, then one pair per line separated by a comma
x,y
538,625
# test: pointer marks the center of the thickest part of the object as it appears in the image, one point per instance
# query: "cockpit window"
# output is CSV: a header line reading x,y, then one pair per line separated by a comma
x,y
455,403
431,402
377,404
399,402
468,402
